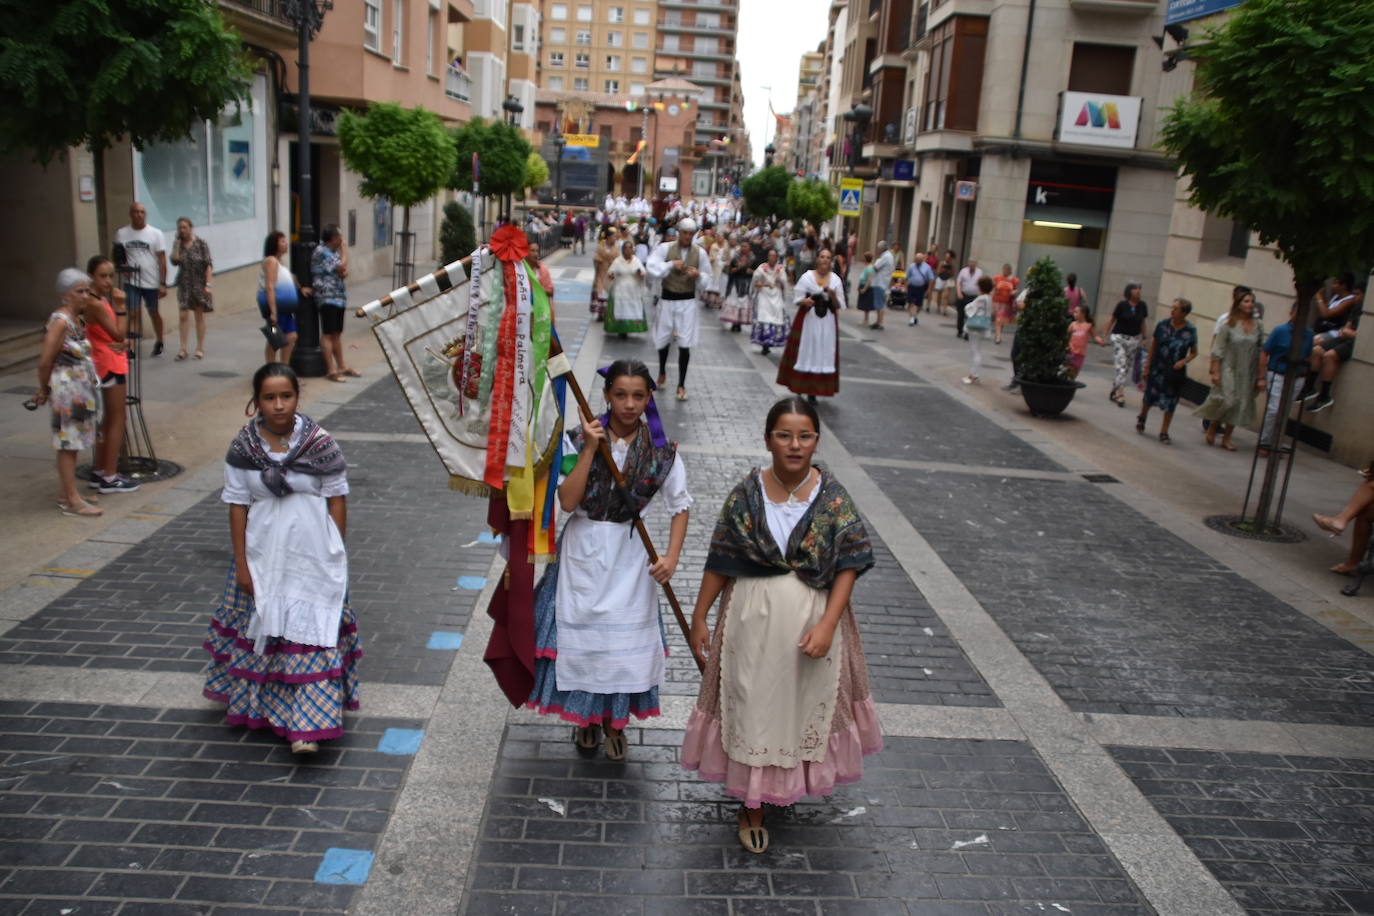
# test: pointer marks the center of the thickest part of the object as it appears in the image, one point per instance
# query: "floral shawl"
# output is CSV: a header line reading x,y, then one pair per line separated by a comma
x,y
317,453
646,467
829,538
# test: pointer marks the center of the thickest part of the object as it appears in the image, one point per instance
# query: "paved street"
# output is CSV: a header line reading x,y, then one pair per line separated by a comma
x,y
1092,703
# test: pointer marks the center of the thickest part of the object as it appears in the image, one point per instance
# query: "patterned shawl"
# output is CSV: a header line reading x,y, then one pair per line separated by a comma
x,y
646,467
317,453
829,538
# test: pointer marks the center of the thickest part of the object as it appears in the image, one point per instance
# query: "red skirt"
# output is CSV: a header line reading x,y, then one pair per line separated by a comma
x,y
820,384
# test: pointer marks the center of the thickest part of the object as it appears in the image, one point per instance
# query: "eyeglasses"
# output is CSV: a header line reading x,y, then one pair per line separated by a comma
x,y
782,437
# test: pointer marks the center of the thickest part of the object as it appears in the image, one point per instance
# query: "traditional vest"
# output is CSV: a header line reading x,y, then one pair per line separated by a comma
x,y
678,285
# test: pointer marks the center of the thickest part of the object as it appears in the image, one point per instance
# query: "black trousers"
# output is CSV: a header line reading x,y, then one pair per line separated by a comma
x,y
959,313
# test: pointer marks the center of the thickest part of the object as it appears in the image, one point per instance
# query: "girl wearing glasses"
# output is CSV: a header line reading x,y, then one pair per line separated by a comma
x,y
784,708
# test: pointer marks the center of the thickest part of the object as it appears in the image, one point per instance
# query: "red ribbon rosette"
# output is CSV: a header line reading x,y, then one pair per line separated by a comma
x,y
509,244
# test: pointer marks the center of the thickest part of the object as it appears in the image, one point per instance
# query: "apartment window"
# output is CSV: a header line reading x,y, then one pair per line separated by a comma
x,y
636,134
1101,68
612,87
640,40
642,16
615,40
517,38
429,41
708,20
954,78
398,11
672,18
613,62
558,11
558,36
706,45
580,84
556,59
372,24
617,14
636,89
583,36
555,83
582,60
639,65
703,68
584,12
670,43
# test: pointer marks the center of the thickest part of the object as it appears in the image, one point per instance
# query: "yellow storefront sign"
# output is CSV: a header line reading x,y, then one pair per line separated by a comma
x,y
591,140
851,196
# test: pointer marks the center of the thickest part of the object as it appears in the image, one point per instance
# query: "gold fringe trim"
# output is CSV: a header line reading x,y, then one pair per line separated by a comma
x,y
470,487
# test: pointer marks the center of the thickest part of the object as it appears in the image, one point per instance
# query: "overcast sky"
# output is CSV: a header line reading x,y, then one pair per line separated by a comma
x,y
773,34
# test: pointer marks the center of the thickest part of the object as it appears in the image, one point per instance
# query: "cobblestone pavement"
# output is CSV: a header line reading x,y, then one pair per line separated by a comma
x,y
1086,712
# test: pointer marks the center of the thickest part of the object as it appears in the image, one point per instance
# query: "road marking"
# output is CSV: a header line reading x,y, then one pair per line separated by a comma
x,y
401,741
444,639
344,866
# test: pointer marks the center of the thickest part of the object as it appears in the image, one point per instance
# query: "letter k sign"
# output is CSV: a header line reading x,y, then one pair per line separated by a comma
x,y
1040,196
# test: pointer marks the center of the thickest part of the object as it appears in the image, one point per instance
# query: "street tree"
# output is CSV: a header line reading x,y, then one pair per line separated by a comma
x,y
765,192
536,170
1277,136
404,155
89,72
457,235
502,152
811,200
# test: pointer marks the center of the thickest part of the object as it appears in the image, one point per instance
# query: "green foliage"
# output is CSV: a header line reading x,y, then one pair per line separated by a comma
x,y
811,200
457,235
765,192
1042,338
403,154
86,72
536,170
1279,132
503,153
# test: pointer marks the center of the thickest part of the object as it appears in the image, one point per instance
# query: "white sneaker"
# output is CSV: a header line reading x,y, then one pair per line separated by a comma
x,y
969,379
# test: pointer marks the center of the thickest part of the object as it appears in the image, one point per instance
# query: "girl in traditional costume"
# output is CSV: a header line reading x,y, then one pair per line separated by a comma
x,y
599,644
625,313
284,642
810,363
784,708
770,316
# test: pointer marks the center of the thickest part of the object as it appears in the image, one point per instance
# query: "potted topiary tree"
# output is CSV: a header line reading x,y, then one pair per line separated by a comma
x,y
1042,343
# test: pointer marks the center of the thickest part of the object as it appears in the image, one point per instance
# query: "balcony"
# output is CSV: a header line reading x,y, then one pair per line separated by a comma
x,y
1128,7
261,22
457,85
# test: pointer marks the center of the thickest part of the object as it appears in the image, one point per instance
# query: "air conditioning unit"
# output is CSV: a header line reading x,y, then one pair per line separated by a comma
x,y
909,127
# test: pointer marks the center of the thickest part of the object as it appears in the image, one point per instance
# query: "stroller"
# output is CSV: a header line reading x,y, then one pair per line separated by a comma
x,y
896,293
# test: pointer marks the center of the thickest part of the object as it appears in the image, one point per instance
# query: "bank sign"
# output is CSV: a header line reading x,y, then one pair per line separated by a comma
x,y
1183,10
1094,119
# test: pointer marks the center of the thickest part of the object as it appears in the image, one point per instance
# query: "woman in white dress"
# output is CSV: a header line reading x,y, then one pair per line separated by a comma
x,y
625,310
599,646
810,363
770,309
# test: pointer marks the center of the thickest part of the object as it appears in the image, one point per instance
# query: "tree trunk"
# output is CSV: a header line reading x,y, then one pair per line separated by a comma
x,y
1306,288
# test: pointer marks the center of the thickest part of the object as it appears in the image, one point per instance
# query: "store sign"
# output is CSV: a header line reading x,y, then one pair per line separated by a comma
x,y
904,170
967,191
591,140
1094,119
1183,10
668,184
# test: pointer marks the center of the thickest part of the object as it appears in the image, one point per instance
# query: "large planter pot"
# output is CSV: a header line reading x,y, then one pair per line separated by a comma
x,y
1048,399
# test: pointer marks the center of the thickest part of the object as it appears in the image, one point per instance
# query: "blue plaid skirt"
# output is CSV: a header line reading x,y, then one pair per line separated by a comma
x,y
299,692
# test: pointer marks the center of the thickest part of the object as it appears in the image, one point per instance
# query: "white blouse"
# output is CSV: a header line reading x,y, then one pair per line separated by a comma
x,y
672,495
784,517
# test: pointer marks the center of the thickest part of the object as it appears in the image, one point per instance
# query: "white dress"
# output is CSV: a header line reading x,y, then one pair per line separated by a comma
x,y
627,288
816,349
769,305
607,610
294,551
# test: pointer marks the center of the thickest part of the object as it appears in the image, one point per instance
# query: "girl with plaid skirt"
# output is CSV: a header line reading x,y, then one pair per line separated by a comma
x,y
284,643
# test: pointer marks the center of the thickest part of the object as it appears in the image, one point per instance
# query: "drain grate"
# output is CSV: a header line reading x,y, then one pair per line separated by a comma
x,y
22,389
1100,478
218,373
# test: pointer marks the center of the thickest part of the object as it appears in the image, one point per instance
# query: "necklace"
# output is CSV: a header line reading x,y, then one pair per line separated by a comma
x,y
792,493
282,441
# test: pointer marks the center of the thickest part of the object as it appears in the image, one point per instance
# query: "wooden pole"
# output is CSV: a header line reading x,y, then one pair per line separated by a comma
x,y
604,449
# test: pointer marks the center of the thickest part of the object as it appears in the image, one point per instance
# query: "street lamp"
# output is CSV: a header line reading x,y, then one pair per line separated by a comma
x,y
859,116
308,17
558,143
768,152
513,109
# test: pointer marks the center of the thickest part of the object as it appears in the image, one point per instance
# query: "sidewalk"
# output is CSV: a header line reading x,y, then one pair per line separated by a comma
x,y
1092,703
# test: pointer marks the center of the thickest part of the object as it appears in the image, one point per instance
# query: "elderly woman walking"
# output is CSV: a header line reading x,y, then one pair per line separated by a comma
x,y
192,255
625,308
68,381
1172,348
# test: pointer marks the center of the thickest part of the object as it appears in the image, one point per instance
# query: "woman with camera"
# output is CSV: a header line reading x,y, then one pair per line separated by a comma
x,y
811,360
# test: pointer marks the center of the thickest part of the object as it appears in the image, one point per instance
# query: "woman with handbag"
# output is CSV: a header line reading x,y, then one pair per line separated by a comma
x,y
977,323
1172,348
278,296
810,363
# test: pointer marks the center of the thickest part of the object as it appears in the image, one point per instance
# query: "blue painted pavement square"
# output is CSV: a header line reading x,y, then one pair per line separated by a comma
x,y
486,537
444,639
401,740
472,583
344,866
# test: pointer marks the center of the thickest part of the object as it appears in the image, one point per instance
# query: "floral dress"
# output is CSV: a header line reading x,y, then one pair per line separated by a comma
x,y
74,390
1171,345
1232,401
193,260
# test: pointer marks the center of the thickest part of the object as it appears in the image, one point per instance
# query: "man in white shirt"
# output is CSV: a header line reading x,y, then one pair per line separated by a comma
x,y
882,276
683,270
145,255
967,282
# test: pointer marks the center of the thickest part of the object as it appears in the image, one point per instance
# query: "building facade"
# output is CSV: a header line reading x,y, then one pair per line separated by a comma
x,y
598,48
696,42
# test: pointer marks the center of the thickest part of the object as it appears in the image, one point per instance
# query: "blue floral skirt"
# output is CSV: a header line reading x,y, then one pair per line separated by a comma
x,y
576,706
299,692
768,335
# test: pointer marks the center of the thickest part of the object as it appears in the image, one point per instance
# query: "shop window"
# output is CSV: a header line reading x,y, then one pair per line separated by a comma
x,y
1101,68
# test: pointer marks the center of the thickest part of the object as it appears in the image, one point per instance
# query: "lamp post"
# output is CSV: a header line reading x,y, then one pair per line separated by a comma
x,y
558,143
768,152
308,17
513,109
